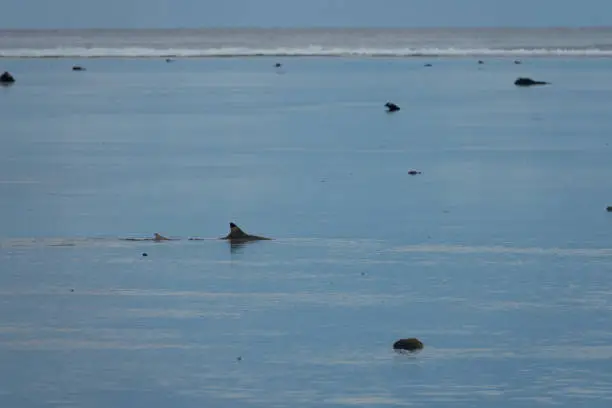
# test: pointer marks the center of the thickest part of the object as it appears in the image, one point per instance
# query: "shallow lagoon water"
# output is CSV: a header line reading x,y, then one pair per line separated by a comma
x,y
498,256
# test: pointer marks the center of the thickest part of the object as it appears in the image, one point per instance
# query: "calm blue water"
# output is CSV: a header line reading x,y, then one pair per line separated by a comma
x,y
498,256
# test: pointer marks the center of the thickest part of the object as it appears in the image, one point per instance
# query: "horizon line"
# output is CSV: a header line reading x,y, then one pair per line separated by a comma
x,y
392,28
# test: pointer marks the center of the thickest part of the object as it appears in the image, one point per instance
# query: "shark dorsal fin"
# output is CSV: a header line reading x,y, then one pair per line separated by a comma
x,y
235,232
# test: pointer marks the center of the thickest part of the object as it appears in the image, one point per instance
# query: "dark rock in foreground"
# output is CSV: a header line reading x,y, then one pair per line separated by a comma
x,y
411,344
528,82
391,107
6,78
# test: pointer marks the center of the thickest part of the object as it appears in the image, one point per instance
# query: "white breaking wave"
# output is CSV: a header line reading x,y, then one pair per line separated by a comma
x,y
311,51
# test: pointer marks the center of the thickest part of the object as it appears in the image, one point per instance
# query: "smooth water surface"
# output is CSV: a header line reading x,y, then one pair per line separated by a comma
x,y
498,256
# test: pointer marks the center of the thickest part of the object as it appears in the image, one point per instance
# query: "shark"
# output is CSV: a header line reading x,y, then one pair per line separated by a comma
x,y
237,235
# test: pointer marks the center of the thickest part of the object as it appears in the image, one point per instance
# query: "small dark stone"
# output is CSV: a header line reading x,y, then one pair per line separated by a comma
x,y
72,290
427,65
391,107
169,60
414,172
78,68
609,208
517,62
6,78
410,344
145,254
480,62
238,358
278,65
528,82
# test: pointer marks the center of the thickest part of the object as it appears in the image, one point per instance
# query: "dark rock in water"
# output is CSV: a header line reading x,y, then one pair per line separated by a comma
x,y
391,107
169,60
480,62
528,82
145,254
6,78
78,68
427,65
517,62
278,65
413,172
410,344
609,208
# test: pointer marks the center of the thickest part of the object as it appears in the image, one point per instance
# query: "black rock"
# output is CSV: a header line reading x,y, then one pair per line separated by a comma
x,y
528,82
6,78
609,208
278,65
427,65
145,254
410,344
480,62
78,68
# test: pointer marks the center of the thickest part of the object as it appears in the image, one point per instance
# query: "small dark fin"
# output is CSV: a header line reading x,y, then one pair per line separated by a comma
x,y
235,232
391,107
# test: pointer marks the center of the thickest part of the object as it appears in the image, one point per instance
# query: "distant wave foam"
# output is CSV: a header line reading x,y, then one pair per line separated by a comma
x,y
312,51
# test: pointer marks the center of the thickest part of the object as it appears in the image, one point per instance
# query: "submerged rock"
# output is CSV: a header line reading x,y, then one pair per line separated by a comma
x,y
411,344
413,172
528,82
609,208
427,65
480,62
517,62
391,107
78,68
7,78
